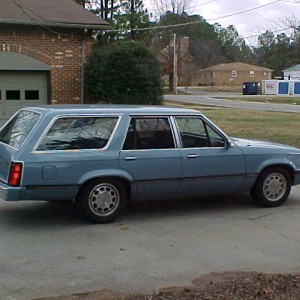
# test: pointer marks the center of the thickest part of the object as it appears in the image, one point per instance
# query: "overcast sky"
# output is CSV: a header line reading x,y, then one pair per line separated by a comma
x,y
248,23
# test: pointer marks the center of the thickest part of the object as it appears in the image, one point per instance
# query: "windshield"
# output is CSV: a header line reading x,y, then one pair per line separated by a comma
x,y
18,128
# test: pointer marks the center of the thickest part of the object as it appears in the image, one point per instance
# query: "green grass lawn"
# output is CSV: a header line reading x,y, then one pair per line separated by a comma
x,y
215,89
264,125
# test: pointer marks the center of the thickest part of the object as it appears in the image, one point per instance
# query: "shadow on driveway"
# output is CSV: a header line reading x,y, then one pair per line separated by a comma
x,y
65,214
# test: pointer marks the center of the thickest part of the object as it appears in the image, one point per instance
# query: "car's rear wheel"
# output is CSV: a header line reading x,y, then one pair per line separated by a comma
x,y
102,200
272,187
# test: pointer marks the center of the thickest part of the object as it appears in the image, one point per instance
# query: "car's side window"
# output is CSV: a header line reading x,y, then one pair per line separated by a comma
x,y
149,133
195,133
216,140
18,129
74,133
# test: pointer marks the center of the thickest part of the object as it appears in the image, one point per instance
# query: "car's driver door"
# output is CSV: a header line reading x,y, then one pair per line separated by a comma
x,y
210,165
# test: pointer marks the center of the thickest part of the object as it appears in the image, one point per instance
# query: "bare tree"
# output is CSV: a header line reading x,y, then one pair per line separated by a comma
x,y
291,22
161,7
290,25
104,8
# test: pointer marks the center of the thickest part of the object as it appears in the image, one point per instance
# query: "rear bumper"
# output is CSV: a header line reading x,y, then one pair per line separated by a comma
x,y
9,193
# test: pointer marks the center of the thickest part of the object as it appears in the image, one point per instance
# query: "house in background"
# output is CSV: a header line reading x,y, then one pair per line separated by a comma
x,y
231,74
292,73
43,46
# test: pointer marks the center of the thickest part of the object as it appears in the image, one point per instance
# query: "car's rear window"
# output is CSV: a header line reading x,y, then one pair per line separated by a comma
x,y
18,128
75,133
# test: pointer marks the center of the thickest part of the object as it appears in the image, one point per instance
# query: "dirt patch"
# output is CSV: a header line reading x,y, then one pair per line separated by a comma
x,y
215,286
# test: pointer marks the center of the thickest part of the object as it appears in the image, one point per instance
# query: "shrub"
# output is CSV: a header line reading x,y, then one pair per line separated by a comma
x,y
124,72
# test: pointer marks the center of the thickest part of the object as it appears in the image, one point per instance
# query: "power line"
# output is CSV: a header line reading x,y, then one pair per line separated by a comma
x,y
25,12
37,22
197,22
273,31
245,11
201,4
168,26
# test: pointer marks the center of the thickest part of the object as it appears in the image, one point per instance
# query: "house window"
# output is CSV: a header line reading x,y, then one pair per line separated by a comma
x,y
233,73
251,73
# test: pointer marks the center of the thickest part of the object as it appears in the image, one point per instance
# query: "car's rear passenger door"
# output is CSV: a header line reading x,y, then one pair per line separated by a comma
x,y
151,157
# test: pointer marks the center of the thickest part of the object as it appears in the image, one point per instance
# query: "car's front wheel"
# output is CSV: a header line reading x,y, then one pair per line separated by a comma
x,y
102,200
272,187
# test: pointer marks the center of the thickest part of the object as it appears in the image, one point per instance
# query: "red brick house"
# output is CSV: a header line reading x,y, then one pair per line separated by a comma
x,y
43,46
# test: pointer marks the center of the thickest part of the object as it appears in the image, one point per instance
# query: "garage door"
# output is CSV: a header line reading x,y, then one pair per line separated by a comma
x,y
19,89
23,82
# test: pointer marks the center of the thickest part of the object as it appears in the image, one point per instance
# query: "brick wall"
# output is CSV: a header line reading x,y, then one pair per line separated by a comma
x,y
63,49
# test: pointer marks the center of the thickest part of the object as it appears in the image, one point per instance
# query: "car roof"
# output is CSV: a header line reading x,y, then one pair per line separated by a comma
x,y
132,109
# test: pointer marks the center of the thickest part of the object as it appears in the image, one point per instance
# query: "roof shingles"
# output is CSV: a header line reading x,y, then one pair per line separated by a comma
x,y
238,66
295,68
62,13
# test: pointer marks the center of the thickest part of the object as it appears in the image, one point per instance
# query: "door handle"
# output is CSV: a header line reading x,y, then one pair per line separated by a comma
x,y
130,158
192,156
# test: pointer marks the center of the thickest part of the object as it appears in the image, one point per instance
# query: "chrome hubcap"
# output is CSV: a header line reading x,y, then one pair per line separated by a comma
x,y
275,187
104,199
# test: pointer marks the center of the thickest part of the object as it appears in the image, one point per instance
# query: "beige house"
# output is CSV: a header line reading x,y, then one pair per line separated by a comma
x,y
231,74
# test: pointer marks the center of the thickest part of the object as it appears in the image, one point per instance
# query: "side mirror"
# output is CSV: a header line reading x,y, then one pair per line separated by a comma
x,y
229,144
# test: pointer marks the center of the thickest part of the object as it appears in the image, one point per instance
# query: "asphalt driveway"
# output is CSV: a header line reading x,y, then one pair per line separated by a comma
x,y
46,250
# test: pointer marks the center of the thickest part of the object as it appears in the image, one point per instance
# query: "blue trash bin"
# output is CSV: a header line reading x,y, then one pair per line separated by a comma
x,y
250,88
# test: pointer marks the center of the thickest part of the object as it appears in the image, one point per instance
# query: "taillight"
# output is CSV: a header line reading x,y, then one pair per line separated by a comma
x,y
15,174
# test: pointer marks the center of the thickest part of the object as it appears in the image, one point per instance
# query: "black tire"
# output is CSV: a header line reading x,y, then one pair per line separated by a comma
x,y
102,200
272,187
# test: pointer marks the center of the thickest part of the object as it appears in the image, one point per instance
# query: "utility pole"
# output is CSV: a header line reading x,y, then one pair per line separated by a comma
x,y
174,66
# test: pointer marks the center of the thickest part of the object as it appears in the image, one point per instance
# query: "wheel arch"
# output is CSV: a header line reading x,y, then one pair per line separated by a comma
x,y
288,167
273,185
121,177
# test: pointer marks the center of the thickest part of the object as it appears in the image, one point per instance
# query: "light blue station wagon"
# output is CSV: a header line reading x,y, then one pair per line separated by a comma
x,y
104,156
